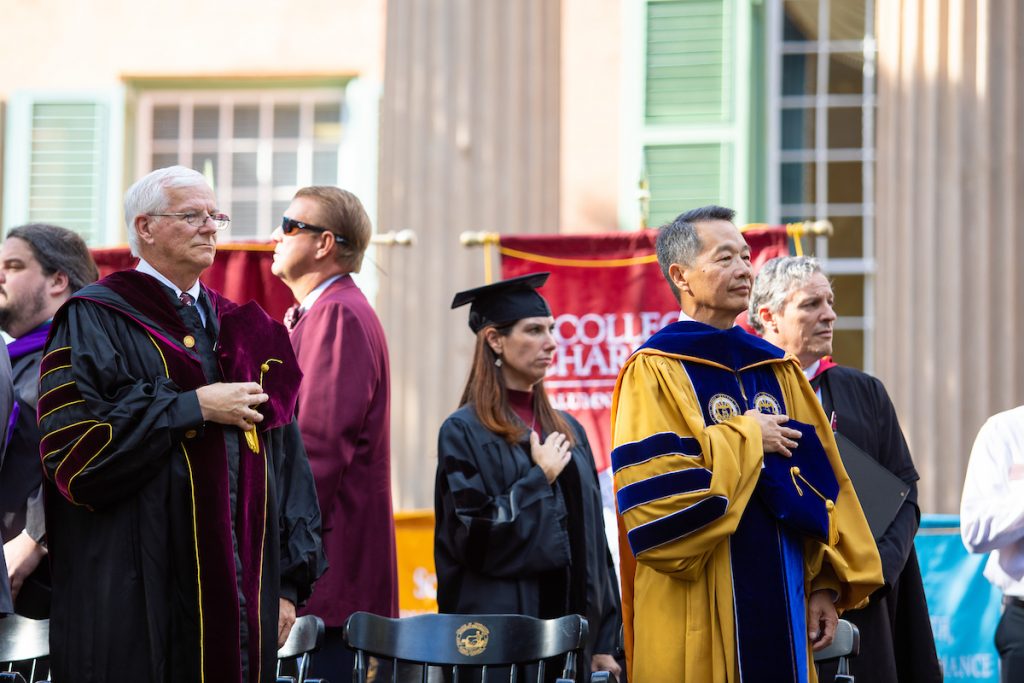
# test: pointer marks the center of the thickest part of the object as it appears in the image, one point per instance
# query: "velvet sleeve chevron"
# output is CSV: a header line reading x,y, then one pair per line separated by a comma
x,y
107,423
680,487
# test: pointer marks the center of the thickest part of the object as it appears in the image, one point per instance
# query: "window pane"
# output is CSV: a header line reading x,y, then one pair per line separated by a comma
x,y
247,121
206,123
848,348
846,20
286,169
165,122
327,122
797,129
286,121
243,220
164,160
849,291
845,127
207,163
799,74
797,183
243,169
325,167
800,20
847,239
277,210
846,73
845,182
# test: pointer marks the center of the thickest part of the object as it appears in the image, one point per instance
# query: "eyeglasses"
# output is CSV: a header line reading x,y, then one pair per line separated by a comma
x,y
290,227
198,220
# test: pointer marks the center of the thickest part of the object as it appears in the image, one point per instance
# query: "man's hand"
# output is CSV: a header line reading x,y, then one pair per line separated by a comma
x,y
821,619
285,621
774,437
551,456
605,663
232,403
23,555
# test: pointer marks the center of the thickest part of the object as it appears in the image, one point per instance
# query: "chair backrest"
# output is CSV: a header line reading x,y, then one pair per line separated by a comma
x,y
465,642
845,644
23,643
306,637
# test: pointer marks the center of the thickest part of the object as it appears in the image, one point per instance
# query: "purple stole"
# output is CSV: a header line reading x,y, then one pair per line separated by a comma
x,y
22,346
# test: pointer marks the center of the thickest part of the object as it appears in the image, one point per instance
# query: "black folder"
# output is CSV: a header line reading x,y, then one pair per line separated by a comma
x,y
881,493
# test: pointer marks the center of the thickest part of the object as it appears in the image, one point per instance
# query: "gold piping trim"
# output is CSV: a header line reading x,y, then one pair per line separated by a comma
x,y
76,424
199,583
59,386
110,437
63,348
158,350
41,417
59,367
195,531
259,586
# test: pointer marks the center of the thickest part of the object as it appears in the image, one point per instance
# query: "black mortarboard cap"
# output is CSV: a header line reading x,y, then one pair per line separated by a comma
x,y
505,301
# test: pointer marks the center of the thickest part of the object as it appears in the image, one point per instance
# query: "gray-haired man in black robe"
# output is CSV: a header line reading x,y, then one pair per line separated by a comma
x,y
791,306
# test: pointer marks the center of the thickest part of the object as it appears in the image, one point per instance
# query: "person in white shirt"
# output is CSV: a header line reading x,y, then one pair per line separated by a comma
x,y
992,520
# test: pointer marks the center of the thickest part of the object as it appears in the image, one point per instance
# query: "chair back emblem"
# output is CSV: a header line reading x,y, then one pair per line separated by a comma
x,y
471,638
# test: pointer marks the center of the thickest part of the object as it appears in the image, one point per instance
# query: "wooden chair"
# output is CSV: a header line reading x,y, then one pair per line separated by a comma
x,y
24,648
466,647
845,644
306,637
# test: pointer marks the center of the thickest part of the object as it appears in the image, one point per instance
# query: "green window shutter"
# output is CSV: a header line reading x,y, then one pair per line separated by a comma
x,y
689,70
59,166
686,176
694,132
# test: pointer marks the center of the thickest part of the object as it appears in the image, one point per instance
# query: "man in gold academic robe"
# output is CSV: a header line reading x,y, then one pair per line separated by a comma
x,y
741,534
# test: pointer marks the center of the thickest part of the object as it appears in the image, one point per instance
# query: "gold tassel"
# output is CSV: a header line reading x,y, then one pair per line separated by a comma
x,y
830,506
252,437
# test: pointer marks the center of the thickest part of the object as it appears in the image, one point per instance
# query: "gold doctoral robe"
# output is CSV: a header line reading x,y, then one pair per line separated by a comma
x,y
686,467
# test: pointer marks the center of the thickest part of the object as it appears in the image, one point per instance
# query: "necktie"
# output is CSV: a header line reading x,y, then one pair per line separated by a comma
x,y
292,315
186,299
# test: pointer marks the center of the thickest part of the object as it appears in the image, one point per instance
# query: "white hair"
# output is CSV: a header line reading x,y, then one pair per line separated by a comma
x,y
776,279
149,195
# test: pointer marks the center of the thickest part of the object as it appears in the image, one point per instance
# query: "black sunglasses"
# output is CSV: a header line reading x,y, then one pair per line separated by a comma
x,y
290,227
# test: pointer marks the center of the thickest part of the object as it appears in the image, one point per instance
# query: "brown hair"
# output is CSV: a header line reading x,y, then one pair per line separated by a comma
x,y
486,391
343,214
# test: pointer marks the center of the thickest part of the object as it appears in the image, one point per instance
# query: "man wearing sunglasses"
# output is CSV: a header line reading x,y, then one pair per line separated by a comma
x,y
180,517
343,410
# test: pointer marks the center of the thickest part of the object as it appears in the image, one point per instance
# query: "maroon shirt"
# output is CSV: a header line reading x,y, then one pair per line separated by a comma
x,y
344,417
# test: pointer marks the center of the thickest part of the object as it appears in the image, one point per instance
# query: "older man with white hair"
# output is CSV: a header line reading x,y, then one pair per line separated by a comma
x,y
181,512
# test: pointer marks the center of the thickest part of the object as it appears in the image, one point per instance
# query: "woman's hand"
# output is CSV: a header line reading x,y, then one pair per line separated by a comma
x,y
551,456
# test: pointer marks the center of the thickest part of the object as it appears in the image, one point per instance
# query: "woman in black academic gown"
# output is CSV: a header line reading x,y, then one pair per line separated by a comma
x,y
519,525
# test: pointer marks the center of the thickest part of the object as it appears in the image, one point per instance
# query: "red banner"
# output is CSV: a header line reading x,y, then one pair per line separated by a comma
x,y
241,272
608,296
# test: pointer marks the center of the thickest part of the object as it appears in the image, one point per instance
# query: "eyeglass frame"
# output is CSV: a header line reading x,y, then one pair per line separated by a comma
x,y
220,220
289,226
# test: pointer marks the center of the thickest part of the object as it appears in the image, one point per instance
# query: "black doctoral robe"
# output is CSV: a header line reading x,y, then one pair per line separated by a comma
x,y
505,538
171,540
896,635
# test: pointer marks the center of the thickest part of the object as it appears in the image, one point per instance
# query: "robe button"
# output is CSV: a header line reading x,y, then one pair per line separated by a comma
x,y
189,341
190,434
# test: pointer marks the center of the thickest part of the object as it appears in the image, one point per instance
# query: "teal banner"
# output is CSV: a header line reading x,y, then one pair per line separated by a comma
x,y
964,607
